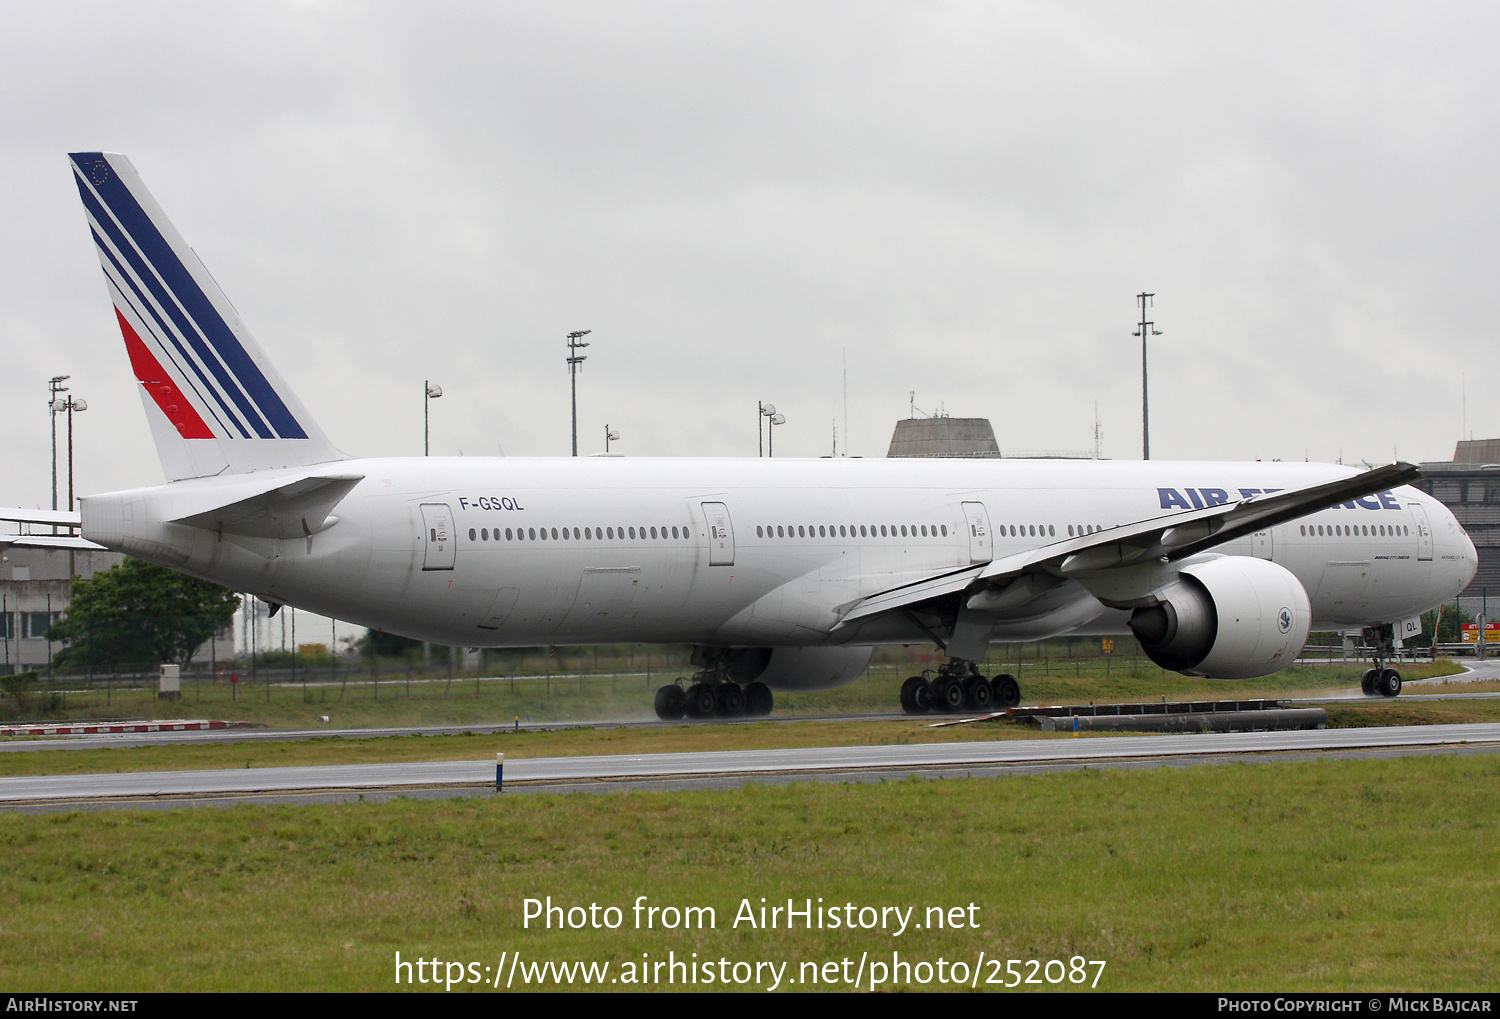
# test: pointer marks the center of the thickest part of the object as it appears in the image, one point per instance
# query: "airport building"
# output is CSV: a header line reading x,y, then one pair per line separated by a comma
x,y
943,436
1469,486
36,585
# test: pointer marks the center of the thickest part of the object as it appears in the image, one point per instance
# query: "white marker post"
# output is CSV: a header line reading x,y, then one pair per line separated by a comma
x,y
499,771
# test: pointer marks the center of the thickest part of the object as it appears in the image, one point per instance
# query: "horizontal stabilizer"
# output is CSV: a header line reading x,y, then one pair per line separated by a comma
x,y
293,510
59,518
50,541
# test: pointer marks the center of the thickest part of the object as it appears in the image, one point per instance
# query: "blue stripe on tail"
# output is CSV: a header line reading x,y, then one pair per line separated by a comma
x,y
243,381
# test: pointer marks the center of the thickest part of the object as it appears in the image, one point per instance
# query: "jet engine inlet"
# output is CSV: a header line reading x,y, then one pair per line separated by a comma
x,y
1230,617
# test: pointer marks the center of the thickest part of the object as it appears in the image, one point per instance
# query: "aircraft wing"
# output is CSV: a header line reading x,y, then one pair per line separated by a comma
x,y
1171,537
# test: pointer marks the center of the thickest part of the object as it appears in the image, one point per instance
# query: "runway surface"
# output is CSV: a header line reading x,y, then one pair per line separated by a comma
x,y
445,778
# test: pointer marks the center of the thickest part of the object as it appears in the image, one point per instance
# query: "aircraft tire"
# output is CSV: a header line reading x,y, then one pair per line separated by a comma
x,y
671,703
758,700
909,702
1367,682
731,700
1006,690
978,693
922,698
701,702
1389,683
948,694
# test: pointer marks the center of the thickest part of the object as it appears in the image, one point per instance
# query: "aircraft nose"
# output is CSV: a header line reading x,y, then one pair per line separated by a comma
x,y
1471,557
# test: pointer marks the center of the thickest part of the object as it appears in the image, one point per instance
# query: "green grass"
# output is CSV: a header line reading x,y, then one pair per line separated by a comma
x,y
392,701
1326,875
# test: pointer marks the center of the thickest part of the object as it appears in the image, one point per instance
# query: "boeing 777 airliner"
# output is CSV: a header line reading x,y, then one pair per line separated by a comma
x,y
782,574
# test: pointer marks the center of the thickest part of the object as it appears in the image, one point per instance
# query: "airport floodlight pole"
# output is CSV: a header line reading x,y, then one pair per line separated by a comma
x,y
55,386
610,434
762,410
1147,328
72,404
430,391
771,423
575,364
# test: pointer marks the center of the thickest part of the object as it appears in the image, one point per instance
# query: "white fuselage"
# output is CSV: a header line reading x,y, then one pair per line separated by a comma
x,y
756,552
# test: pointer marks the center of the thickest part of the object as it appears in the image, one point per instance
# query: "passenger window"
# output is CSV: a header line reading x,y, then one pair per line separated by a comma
x,y
945,530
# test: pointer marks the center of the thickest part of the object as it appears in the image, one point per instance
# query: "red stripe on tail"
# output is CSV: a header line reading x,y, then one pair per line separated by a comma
x,y
159,384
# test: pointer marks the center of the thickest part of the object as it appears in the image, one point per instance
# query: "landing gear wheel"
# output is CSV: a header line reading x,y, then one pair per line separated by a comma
x,y
731,700
1006,690
909,693
978,693
671,702
1367,682
922,697
701,702
758,699
1389,683
948,694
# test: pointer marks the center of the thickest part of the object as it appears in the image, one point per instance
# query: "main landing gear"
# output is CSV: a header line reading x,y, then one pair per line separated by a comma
x,y
710,696
1380,680
958,686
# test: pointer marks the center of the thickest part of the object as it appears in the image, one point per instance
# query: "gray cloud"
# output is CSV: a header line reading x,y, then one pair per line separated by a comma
x,y
964,197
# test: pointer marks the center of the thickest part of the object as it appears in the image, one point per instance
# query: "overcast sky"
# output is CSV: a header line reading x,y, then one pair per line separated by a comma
x,y
962,199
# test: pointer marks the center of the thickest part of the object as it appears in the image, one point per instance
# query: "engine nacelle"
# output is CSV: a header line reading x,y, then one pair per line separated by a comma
x,y
1227,618
798,668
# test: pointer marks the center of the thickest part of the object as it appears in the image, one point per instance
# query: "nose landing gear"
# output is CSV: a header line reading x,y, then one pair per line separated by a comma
x,y
1380,680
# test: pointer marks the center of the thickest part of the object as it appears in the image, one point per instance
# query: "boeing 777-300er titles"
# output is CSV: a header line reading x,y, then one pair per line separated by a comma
x,y
782,574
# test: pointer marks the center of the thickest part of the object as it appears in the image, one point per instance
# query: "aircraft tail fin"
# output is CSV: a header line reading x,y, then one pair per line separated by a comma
x,y
215,402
